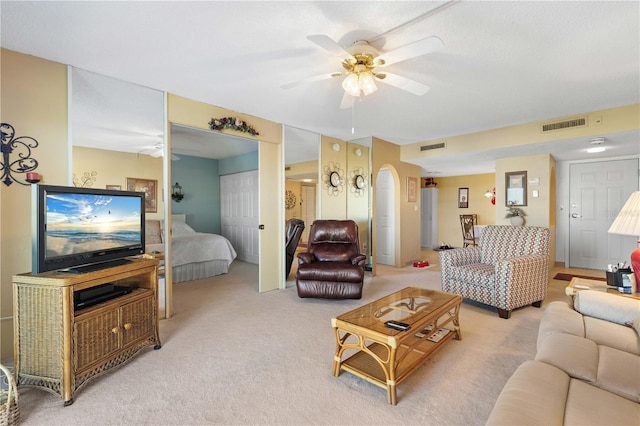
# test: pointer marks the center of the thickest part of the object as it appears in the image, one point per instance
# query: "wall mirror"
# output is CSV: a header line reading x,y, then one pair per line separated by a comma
x,y
301,154
516,188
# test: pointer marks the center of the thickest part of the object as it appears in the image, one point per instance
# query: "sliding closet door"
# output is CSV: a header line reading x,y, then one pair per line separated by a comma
x,y
239,213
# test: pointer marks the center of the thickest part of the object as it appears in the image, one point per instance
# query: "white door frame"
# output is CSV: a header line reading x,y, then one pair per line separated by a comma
x,y
386,175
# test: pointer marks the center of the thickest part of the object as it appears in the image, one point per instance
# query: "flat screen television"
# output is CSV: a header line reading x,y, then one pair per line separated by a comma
x,y
80,229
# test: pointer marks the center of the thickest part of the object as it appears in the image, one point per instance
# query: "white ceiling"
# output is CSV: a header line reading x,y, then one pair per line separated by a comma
x,y
503,63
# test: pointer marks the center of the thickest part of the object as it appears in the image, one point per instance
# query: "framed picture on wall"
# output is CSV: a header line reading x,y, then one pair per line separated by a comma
x,y
150,189
463,198
515,188
412,189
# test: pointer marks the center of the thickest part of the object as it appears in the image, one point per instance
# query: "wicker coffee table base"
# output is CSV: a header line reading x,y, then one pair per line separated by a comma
x,y
386,360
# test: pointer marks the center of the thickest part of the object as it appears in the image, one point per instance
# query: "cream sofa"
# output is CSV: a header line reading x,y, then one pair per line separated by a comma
x,y
586,370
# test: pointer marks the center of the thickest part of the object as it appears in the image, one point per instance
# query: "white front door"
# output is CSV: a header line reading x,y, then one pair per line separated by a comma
x,y
597,192
385,218
239,213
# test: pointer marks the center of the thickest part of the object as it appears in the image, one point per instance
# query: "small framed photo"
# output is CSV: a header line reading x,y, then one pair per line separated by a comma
x,y
412,189
463,198
150,189
118,187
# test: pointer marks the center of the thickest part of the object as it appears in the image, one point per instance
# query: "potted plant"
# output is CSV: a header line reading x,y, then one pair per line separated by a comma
x,y
515,215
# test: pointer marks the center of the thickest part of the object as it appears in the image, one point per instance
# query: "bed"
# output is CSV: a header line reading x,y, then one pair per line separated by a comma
x,y
194,255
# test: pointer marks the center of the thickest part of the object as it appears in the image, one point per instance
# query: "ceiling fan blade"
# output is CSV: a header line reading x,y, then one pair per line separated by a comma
x,y
329,45
311,79
404,83
417,48
347,101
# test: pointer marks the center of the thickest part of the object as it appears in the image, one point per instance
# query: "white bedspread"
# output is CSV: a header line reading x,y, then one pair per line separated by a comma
x,y
200,247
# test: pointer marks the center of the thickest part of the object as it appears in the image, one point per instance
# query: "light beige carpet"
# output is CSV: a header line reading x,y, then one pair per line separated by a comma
x,y
233,356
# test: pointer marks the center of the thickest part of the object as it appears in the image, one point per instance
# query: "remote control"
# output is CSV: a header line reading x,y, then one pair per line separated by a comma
x,y
438,335
397,325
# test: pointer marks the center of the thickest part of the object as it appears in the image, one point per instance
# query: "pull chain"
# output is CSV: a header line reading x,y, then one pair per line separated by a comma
x,y
353,119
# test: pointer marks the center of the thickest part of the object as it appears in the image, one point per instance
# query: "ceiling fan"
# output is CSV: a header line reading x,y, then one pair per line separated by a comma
x,y
362,63
156,151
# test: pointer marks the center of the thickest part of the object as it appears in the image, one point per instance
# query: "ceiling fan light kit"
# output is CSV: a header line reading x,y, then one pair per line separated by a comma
x,y
361,61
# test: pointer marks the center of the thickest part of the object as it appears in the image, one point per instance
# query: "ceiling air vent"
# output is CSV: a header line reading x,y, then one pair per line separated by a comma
x,y
430,147
567,124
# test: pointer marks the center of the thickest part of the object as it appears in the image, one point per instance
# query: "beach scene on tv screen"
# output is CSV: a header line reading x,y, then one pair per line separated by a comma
x,y
78,223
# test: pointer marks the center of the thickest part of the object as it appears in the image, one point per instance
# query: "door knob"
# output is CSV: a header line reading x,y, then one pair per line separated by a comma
x,y
575,215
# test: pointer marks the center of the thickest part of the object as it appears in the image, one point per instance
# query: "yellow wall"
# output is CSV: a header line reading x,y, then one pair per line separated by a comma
x,y
333,201
128,165
598,122
197,114
307,168
539,211
34,102
344,202
407,243
296,188
358,201
449,229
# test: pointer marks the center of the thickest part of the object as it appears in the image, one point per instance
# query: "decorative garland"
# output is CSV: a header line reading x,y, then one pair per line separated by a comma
x,y
233,123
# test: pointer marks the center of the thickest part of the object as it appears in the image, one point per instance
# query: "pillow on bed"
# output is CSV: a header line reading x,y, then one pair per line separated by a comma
x,y
180,228
179,218
153,232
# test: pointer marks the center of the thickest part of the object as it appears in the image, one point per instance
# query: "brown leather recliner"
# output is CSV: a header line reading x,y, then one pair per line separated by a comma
x,y
294,229
332,267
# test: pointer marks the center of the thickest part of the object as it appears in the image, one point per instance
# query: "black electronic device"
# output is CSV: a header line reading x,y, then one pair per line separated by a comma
x,y
75,226
94,295
397,325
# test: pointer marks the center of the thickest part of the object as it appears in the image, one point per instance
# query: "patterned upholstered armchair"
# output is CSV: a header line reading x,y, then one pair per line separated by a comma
x,y
508,269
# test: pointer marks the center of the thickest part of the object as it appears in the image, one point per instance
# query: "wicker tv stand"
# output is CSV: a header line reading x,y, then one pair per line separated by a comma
x,y
59,349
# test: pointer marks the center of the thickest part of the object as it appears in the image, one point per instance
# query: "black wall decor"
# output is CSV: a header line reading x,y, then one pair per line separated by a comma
x,y
16,156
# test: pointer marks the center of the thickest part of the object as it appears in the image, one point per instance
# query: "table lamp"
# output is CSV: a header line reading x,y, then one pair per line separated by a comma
x,y
628,223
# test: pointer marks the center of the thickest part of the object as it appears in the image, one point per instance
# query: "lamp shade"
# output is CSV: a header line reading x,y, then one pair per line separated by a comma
x,y
351,85
628,223
628,220
367,84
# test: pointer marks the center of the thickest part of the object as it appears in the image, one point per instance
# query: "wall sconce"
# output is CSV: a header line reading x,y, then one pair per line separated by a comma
x,y
336,147
491,193
16,156
176,193
357,152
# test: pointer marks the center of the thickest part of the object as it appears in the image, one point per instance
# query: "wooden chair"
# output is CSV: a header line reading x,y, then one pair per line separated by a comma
x,y
468,222
294,228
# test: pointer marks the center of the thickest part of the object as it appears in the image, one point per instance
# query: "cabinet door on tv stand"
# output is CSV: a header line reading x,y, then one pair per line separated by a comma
x,y
138,319
96,336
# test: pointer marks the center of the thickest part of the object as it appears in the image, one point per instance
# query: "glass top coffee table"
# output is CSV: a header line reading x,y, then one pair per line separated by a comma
x,y
578,284
385,356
